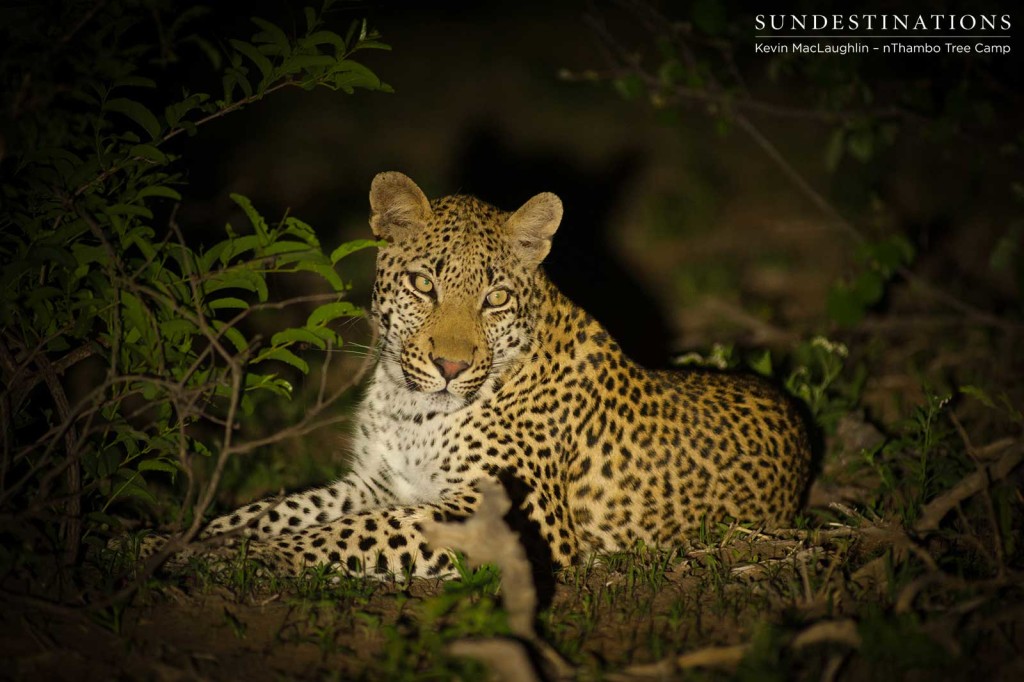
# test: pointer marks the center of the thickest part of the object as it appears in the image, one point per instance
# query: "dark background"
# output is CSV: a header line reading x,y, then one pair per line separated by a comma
x,y
660,211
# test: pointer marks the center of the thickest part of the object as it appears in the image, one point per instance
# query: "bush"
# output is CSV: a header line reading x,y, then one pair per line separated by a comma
x,y
96,271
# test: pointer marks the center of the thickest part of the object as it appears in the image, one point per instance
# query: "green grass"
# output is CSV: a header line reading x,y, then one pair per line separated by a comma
x,y
855,591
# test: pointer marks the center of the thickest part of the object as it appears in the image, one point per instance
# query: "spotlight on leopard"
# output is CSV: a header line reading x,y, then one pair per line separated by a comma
x,y
486,371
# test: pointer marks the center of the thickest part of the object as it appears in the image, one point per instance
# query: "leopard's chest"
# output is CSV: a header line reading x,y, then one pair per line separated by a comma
x,y
417,453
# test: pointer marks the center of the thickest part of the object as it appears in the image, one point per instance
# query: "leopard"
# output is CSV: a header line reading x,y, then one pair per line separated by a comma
x,y
485,371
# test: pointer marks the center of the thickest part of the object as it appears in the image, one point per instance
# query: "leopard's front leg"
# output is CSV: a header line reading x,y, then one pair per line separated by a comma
x,y
377,542
277,516
285,515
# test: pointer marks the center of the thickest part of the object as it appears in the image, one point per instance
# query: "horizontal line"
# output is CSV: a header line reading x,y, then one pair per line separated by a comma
x,y
893,37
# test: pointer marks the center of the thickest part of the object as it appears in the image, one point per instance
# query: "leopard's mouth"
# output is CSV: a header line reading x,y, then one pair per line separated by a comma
x,y
446,393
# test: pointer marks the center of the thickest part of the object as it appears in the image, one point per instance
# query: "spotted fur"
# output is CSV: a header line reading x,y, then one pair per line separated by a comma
x,y
524,387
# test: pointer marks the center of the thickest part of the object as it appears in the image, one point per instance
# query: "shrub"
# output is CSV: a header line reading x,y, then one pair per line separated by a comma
x,y
95,269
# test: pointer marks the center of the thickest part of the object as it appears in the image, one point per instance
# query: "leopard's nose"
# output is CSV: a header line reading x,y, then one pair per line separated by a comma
x,y
450,368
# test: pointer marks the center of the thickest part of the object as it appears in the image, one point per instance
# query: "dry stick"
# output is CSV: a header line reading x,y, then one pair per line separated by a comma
x,y
763,332
989,505
6,415
506,659
841,631
707,657
492,541
485,537
844,631
18,387
66,38
936,510
174,132
73,474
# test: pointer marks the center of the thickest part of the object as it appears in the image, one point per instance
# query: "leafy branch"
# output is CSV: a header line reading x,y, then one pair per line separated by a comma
x,y
127,356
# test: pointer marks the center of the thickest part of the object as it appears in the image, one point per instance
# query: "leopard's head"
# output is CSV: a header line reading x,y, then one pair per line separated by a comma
x,y
458,288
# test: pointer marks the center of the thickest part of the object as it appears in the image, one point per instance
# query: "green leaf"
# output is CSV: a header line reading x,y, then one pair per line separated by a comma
x,y
324,38
158,191
231,334
709,16
258,224
353,246
299,62
372,45
268,382
762,363
88,253
272,35
671,72
149,152
331,311
238,279
325,271
164,465
868,288
348,74
128,209
173,327
630,87
258,58
284,355
979,394
235,247
229,303
38,294
295,227
131,484
1007,250
861,144
174,112
136,315
297,335
134,82
328,335
890,253
135,111
285,247
843,306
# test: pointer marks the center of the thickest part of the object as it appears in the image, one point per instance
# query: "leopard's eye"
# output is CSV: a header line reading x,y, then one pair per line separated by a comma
x,y
421,283
497,298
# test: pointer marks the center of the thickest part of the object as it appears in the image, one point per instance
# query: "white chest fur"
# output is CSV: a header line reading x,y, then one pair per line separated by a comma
x,y
404,444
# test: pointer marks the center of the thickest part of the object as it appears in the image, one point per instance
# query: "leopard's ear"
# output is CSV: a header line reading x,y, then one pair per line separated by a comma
x,y
532,226
397,206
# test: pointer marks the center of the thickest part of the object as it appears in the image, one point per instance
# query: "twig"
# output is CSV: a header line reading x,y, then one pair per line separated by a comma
x,y
89,14
487,539
936,510
174,132
722,102
507,659
73,474
763,332
709,657
989,505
